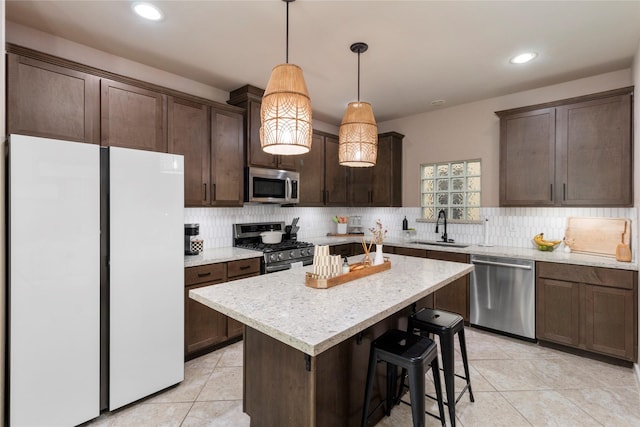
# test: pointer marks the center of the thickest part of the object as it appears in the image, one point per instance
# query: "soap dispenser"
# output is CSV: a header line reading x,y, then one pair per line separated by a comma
x,y
405,223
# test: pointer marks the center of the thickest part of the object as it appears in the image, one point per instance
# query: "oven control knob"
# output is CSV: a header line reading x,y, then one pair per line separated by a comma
x,y
309,251
272,257
280,256
292,254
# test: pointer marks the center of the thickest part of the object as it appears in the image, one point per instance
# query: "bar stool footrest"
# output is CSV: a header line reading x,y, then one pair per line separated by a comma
x,y
426,412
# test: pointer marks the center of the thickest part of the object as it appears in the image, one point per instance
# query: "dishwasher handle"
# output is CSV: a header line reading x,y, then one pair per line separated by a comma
x,y
501,264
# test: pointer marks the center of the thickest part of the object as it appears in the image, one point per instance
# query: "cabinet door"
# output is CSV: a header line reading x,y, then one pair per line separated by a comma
x,y
256,157
357,249
203,326
527,158
360,190
610,321
227,171
240,269
558,311
289,162
335,175
342,250
311,168
50,101
594,153
386,175
454,297
188,129
132,117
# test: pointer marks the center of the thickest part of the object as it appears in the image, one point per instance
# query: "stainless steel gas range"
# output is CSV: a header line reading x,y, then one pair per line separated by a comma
x,y
277,256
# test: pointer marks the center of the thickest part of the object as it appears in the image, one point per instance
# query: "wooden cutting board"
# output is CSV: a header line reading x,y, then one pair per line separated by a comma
x,y
597,236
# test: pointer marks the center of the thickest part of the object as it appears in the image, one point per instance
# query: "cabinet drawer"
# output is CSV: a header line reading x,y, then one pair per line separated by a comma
x,y
600,276
205,273
448,256
243,267
414,252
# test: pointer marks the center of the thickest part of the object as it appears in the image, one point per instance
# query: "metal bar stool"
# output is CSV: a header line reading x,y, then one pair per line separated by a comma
x,y
446,325
413,354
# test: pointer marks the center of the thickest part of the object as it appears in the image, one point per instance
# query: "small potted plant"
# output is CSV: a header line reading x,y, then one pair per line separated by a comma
x,y
341,224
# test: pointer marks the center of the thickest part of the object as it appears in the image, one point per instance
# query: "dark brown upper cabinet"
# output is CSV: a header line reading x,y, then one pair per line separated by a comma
x,y
250,98
335,176
51,101
132,117
323,182
211,141
188,130
227,158
380,185
574,152
311,167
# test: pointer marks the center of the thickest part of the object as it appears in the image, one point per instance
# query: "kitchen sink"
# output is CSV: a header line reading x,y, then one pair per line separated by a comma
x,y
446,244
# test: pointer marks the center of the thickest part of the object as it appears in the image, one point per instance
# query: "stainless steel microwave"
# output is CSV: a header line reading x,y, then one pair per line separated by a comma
x,y
271,186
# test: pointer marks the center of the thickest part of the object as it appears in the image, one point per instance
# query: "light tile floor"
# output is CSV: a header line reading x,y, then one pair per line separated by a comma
x,y
515,383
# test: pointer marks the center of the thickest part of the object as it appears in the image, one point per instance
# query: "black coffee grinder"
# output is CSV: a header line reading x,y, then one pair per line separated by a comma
x,y
190,230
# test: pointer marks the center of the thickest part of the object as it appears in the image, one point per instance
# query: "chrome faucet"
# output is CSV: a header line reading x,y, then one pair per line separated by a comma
x,y
442,214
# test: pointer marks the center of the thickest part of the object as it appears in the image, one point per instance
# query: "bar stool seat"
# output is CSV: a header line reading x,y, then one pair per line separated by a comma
x,y
446,325
412,353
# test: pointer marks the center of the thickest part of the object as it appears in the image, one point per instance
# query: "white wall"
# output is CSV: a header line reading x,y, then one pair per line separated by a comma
x,y
471,131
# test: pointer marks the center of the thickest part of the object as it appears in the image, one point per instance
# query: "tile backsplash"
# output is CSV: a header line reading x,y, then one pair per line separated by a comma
x,y
513,227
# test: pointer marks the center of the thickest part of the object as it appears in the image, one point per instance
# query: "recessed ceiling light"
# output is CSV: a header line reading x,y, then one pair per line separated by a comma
x,y
148,11
438,102
523,57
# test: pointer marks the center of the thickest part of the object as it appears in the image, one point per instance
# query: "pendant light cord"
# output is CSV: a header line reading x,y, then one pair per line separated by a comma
x,y
358,76
287,35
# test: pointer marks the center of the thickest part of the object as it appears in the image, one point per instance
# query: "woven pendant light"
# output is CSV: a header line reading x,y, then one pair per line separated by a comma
x,y
358,139
285,114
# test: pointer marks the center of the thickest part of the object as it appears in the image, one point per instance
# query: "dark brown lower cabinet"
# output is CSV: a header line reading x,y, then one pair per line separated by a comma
x,y
453,297
206,329
323,390
414,252
589,308
342,250
558,311
237,270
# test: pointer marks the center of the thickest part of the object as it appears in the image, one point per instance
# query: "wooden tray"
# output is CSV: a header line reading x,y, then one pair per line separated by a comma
x,y
312,282
597,236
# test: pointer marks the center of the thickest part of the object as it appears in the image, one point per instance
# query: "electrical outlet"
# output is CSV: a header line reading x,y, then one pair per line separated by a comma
x,y
511,224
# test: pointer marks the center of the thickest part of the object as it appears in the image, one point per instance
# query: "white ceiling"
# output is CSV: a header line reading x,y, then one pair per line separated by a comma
x,y
419,51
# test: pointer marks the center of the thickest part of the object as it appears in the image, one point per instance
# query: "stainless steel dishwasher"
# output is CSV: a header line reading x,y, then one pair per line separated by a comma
x,y
503,295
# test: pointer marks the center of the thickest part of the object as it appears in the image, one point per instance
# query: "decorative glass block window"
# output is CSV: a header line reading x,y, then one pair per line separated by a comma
x,y
454,187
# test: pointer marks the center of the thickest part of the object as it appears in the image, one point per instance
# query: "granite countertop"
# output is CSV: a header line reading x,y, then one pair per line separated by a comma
x,y
212,256
557,256
313,320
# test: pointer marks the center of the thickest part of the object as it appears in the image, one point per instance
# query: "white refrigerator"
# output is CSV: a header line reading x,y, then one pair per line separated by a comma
x,y
96,278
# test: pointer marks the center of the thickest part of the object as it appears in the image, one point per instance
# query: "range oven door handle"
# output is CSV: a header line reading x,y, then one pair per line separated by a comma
x,y
502,264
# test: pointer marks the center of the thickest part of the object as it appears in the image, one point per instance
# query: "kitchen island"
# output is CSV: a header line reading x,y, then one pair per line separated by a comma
x,y
305,349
